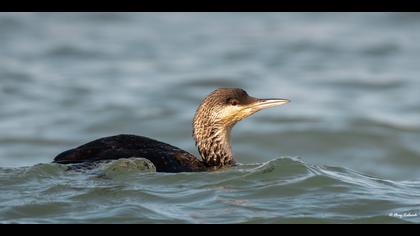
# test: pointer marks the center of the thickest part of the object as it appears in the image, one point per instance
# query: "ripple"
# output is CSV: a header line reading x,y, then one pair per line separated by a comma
x,y
210,82
127,165
389,125
67,51
367,84
311,220
381,50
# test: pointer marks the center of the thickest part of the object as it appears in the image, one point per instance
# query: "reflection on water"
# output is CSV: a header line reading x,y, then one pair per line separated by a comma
x,y
68,78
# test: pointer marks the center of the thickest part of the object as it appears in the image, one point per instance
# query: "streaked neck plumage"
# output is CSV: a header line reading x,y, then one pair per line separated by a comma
x,y
213,141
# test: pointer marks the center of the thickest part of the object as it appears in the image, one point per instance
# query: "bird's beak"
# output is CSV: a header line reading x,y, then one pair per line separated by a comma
x,y
260,104
254,105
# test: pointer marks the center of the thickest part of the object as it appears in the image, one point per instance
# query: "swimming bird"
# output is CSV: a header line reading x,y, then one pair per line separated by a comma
x,y
212,125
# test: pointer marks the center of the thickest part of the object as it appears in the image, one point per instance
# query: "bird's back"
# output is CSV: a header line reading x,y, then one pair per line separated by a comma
x,y
165,157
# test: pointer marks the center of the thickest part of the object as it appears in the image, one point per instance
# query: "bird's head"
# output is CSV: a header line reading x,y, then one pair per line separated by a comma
x,y
216,116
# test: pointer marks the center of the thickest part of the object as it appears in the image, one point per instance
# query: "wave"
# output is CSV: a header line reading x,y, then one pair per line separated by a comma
x,y
283,190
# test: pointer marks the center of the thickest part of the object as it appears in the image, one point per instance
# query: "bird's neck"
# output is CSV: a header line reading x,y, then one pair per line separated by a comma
x,y
213,142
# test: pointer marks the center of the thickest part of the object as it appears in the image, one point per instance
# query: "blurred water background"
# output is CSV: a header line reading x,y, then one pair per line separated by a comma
x,y
345,150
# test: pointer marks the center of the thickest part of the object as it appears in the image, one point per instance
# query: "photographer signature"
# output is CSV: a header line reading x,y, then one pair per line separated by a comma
x,y
403,214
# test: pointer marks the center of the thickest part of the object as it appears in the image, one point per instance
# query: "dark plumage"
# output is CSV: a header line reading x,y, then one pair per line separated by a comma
x,y
165,157
212,123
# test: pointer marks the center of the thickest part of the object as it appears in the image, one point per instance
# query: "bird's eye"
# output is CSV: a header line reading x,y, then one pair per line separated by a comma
x,y
233,101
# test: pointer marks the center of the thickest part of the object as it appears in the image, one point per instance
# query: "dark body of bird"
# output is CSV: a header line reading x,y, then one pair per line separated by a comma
x,y
165,157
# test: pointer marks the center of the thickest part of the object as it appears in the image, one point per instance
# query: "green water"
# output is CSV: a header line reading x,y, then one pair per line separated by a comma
x,y
345,150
